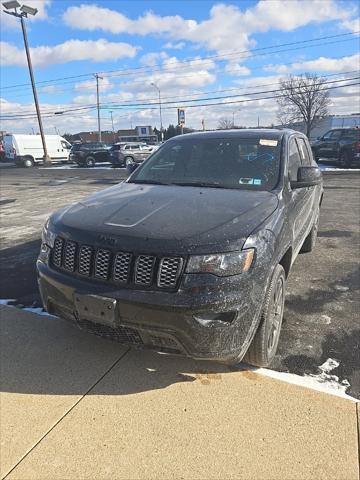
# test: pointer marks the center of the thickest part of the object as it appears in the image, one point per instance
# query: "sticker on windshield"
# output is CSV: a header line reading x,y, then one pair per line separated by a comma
x,y
250,181
268,142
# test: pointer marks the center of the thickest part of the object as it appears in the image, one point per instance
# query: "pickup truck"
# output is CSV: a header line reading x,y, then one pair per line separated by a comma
x,y
190,255
340,144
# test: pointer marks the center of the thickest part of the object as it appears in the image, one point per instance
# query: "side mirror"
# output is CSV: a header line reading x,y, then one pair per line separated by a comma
x,y
307,177
131,168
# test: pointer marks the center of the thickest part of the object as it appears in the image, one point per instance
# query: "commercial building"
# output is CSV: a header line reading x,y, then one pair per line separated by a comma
x,y
138,134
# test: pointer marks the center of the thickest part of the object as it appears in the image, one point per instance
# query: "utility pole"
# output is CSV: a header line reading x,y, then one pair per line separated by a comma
x,y
25,11
112,123
98,104
161,124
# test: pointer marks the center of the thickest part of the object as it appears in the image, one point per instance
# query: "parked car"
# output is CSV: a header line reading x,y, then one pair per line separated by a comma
x,y
340,144
2,152
191,254
88,154
130,153
27,150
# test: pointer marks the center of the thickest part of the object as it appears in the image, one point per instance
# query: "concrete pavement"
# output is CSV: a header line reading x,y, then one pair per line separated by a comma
x,y
75,406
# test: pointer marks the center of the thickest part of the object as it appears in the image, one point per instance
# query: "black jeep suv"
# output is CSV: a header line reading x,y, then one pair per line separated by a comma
x,y
88,154
340,144
190,255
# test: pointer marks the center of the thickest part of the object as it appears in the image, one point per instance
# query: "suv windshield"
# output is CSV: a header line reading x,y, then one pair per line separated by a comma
x,y
252,163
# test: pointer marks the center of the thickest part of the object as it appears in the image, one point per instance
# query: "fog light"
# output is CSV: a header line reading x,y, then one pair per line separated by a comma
x,y
226,317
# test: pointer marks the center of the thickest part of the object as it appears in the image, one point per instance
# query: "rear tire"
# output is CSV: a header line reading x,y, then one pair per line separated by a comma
x,y
344,160
264,345
90,162
27,162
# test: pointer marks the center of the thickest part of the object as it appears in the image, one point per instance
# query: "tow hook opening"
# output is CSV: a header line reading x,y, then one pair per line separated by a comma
x,y
208,317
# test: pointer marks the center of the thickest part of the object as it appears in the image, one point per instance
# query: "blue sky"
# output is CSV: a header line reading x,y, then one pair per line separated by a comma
x,y
135,43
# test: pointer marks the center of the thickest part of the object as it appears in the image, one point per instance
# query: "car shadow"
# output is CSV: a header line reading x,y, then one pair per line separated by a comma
x,y
44,355
18,279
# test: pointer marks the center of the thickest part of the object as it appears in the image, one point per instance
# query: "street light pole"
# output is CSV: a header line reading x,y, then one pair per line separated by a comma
x,y
161,124
112,123
25,10
98,104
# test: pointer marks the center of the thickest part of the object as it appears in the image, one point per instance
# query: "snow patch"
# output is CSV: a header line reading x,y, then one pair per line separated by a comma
x,y
38,311
6,301
331,168
103,166
326,319
322,381
341,288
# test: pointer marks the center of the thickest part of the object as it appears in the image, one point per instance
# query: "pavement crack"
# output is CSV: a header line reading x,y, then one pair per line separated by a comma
x,y
65,414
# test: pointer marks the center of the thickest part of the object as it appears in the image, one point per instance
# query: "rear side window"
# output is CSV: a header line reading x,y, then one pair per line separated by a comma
x,y
304,153
351,135
294,160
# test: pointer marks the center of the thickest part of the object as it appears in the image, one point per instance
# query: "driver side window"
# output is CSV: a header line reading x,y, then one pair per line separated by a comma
x,y
294,160
327,135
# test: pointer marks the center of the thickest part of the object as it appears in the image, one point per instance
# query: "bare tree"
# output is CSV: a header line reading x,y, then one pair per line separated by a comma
x,y
225,124
303,98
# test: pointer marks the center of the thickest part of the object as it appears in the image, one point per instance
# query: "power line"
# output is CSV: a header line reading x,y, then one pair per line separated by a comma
x,y
128,72
12,117
81,106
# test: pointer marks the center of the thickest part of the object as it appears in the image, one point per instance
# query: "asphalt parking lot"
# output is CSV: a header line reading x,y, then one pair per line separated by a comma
x,y
321,316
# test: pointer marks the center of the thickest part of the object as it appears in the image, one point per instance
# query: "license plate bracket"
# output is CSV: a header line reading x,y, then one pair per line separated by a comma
x,y
95,308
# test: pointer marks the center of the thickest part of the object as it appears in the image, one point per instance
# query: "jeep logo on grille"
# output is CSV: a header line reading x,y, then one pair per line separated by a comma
x,y
107,240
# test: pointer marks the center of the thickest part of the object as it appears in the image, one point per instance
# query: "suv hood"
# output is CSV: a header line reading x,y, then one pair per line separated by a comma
x,y
172,219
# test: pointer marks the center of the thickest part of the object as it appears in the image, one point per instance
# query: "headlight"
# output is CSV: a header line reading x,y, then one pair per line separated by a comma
x,y
222,264
48,237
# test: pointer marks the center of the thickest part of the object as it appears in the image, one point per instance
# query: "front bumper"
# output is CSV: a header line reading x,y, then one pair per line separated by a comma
x,y
179,322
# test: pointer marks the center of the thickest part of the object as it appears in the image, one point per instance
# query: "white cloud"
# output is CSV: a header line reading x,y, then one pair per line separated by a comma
x,y
151,59
352,25
321,64
227,28
109,98
174,46
104,85
51,89
174,74
235,69
72,50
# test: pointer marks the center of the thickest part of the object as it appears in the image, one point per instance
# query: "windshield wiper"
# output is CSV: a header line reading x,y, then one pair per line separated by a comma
x,y
149,182
198,184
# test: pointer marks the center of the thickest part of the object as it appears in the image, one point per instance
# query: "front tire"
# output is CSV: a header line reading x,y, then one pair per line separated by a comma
x,y
264,345
90,162
128,161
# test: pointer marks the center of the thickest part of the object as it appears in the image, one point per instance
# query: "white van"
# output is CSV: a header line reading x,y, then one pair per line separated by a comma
x,y
27,150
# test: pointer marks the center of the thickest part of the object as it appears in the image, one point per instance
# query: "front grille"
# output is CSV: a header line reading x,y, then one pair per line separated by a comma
x,y
123,268
85,259
170,268
57,251
122,264
102,264
70,256
119,334
144,270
